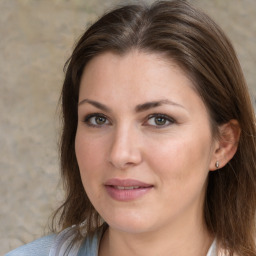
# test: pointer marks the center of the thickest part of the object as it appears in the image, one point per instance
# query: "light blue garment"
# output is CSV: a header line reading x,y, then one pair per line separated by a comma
x,y
56,245
89,247
39,247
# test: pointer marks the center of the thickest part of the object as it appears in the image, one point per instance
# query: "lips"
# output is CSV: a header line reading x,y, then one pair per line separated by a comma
x,y
127,183
126,190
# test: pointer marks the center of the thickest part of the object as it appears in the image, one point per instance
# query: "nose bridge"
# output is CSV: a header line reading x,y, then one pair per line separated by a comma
x,y
125,150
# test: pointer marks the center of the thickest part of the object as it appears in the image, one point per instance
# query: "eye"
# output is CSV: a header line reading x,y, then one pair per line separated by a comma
x,y
97,120
159,120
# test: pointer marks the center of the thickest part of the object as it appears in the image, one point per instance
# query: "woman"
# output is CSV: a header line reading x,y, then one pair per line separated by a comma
x,y
158,143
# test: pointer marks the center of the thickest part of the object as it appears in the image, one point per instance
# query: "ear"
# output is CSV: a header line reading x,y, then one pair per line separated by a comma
x,y
226,145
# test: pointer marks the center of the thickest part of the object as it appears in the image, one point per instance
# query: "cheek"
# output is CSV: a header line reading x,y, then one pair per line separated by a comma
x,y
87,162
86,158
89,152
91,157
180,161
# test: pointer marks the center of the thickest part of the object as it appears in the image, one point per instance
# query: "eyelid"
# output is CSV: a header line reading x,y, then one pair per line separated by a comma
x,y
89,116
171,120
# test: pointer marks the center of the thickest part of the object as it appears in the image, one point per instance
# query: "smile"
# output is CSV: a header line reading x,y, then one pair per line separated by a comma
x,y
126,190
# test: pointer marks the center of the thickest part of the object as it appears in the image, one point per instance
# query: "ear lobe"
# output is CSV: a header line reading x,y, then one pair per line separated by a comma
x,y
226,144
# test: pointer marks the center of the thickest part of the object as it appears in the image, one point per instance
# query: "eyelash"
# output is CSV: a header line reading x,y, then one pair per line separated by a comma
x,y
163,116
95,115
166,118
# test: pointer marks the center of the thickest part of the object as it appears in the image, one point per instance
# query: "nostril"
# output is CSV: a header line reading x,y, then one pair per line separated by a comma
x,y
122,160
124,151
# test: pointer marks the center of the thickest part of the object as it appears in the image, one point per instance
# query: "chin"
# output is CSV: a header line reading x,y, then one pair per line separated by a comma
x,y
130,223
135,228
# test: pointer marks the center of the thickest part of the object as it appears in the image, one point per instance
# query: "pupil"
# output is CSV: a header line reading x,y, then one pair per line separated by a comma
x,y
100,120
160,120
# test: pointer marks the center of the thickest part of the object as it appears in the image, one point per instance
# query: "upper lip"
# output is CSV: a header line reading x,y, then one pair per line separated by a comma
x,y
126,183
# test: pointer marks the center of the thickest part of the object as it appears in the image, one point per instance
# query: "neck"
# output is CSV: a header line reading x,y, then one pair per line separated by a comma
x,y
191,237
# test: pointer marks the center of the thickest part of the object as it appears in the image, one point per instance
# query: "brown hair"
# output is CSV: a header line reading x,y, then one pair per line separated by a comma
x,y
192,40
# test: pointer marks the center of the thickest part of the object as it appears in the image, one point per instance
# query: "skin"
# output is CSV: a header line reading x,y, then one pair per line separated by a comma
x,y
174,153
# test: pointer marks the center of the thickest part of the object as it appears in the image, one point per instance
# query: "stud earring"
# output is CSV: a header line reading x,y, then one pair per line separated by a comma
x,y
217,164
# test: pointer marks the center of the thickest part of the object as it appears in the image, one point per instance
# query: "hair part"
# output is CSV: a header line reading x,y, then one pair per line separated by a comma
x,y
196,44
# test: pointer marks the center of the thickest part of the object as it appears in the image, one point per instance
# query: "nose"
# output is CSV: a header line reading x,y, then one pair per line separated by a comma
x,y
125,150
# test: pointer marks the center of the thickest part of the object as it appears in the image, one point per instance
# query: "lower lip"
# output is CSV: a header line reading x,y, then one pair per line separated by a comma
x,y
127,194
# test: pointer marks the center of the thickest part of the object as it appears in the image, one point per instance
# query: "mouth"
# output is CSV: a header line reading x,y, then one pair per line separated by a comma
x,y
126,190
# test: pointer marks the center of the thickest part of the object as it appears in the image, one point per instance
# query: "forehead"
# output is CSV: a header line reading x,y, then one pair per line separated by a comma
x,y
122,82
137,69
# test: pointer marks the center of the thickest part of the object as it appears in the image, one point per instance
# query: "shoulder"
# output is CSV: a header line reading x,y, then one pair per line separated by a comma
x,y
87,247
52,245
39,247
58,244
90,245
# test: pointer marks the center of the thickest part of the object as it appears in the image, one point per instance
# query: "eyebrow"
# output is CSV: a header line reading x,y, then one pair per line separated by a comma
x,y
154,104
139,108
95,104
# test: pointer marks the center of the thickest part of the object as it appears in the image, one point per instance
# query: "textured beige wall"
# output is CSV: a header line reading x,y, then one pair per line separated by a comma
x,y
36,37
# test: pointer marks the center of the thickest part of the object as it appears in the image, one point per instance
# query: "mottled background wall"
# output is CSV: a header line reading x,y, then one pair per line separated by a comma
x,y
36,37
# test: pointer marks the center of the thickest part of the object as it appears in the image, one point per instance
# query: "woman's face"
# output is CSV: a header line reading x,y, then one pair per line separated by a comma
x,y
143,144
